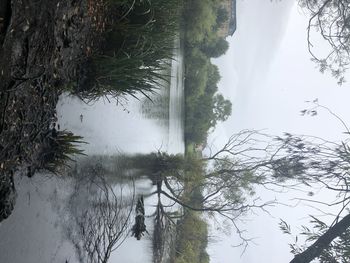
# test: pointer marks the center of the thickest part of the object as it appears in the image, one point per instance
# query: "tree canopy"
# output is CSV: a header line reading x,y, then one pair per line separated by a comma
x,y
222,108
215,48
204,107
331,20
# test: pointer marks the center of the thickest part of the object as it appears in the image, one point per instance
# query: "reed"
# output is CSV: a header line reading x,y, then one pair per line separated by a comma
x,y
137,52
59,151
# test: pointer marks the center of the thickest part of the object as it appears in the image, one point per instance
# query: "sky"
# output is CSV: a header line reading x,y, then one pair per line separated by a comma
x,y
268,76
270,87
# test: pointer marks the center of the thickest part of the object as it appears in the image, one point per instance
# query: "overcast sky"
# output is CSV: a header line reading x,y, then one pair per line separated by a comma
x,y
268,75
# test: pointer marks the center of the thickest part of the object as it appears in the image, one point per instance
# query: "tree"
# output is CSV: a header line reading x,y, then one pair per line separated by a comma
x,y
222,109
332,243
327,164
331,19
200,19
104,222
314,161
227,187
162,232
215,48
222,16
196,73
213,79
251,158
226,179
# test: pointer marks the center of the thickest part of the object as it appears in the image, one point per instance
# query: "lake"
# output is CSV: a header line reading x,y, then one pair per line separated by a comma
x,y
41,228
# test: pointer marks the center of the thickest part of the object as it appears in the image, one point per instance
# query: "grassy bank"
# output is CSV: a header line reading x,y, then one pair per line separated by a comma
x,y
192,229
193,240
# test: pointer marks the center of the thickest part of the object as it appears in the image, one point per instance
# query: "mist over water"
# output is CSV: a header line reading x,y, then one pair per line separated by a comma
x,y
37,229
132,125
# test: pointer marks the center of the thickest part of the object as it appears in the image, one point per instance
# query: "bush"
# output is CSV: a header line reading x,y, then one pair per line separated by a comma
x,y
192,240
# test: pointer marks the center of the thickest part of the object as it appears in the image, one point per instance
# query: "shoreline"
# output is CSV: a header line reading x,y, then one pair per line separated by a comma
x,y
42,50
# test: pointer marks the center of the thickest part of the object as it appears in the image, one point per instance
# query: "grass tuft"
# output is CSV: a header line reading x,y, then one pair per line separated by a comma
x,y
137,52
60,148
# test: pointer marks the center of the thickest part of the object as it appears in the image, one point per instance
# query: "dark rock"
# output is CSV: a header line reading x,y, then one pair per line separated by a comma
x,y
8,196
43,44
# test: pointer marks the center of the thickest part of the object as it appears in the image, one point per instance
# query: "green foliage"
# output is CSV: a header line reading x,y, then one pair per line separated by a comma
x,y
197,69
192,230
329,21
192,240
59,149
193,164
200,18
222,16
338,251
203,106
137,51
222,109
213,79
198,119
203,113
235,183
215,48
157,162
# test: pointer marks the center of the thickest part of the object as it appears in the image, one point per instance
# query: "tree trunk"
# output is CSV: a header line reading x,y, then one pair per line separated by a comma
x,y
322,242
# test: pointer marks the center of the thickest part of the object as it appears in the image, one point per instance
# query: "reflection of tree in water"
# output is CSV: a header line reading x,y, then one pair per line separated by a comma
x,y
157,166
95,202
157,108
158,235
138,230
99,217
163,234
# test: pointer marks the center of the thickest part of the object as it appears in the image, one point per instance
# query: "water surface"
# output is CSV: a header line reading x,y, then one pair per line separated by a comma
x,y
37,230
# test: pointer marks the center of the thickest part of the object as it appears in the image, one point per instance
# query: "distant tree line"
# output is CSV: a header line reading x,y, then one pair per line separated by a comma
x,y
204,106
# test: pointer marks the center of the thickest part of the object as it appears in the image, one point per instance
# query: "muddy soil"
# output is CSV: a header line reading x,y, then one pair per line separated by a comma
x,y
43,45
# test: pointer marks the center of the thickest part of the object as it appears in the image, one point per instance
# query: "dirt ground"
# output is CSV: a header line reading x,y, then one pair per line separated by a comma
x,y
43,45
